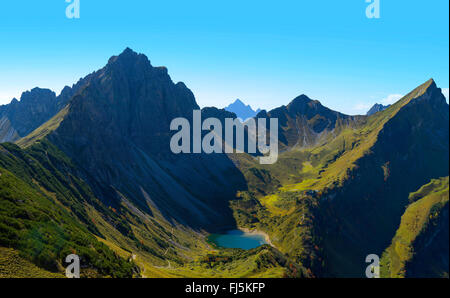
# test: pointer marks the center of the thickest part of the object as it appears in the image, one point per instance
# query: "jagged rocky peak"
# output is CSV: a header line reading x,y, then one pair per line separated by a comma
x,y
432,91
128,60
428,91
128,100
37,95
305,106
427,95
21,117
118,129
376,108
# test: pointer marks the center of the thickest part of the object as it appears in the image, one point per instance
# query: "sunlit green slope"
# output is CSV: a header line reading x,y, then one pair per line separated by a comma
x,y
424,219
331,205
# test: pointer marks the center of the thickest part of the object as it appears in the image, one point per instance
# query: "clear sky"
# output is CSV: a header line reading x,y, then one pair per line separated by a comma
x,y
264,52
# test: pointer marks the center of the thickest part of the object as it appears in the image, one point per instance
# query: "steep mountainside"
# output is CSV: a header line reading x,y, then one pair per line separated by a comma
x,y
334,204
420,247
117,130
44,214
410,149
104,162
99,179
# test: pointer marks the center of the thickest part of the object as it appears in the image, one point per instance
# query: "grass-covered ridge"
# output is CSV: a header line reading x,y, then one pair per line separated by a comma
x,y
427,205
45,227
305,200
43,130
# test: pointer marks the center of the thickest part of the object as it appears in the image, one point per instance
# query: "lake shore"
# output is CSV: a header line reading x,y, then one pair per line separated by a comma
x,y
258,232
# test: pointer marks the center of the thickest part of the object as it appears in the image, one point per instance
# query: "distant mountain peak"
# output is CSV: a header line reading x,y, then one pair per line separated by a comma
x,y
239,102
378,107
37,94
242,110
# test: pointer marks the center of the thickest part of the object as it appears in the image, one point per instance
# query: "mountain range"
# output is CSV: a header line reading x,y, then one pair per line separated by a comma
x,y
91,172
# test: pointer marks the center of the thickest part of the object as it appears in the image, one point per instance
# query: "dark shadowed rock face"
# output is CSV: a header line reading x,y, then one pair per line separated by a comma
x,y
127,100
19,118
118,130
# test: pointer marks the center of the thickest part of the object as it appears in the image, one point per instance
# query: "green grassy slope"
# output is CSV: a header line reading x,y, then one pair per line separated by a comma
x,y
43,130
45,227
428,205
12,265
331,205
50,212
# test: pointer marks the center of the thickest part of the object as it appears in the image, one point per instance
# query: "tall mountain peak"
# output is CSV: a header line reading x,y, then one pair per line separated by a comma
x,y
304,105
300,103
302,98
428,91
134,102
128,56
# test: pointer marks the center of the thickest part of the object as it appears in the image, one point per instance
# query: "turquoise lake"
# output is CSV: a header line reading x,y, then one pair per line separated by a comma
x,y
237,239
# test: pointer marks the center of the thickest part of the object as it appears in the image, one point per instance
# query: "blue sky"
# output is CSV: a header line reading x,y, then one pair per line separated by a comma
x,y
263,52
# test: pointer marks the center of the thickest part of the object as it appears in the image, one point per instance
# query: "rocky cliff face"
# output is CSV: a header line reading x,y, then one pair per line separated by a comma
x,y
19,118
118,130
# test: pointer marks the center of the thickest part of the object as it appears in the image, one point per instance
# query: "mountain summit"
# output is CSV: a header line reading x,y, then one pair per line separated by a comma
x,y
117,128
305,122
242,110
